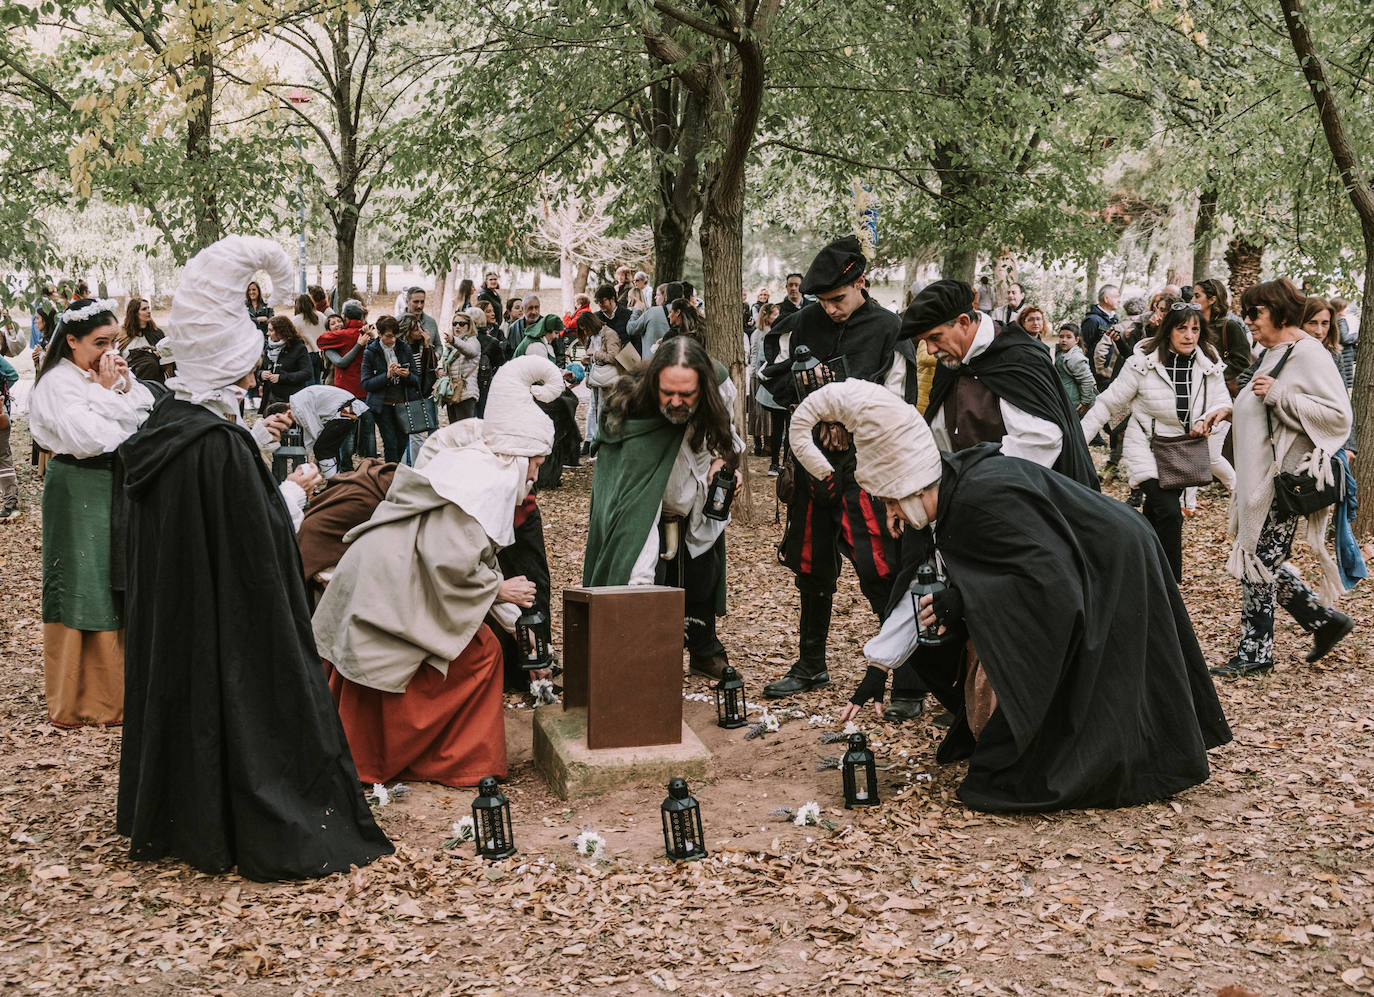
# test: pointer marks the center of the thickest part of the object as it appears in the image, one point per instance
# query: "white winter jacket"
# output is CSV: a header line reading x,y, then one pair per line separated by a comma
x,y
1145,390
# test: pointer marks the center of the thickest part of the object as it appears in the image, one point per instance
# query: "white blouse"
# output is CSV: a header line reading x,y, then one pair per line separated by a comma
x,y
69,413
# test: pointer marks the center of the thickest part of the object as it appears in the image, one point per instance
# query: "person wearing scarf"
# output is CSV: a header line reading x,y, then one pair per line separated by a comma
x,y
1061,700
233,754
414,669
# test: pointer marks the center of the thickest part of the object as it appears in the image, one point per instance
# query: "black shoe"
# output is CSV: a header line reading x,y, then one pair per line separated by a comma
x,y
772,470
944,720
793,683
712,667
904,709
1235,668
586,448
1136,499
1328,635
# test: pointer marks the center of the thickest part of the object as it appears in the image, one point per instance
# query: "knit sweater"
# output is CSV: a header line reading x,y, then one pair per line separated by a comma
x,y
1311,418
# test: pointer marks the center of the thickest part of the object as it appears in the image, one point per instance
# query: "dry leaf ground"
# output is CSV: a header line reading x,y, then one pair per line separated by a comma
x,y
1262,879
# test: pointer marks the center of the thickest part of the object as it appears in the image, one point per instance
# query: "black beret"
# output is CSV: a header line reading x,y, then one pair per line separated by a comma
x,y
938,303
842,262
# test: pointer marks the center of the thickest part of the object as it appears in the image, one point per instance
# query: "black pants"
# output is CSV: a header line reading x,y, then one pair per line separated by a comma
x,y
394,437
775,433
1164,510
699,578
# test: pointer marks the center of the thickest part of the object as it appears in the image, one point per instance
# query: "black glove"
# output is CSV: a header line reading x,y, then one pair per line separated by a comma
x,y
948,605
872,687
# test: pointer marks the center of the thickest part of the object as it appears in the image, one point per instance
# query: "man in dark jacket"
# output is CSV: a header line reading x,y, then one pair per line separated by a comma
x,y
1100,318
853,336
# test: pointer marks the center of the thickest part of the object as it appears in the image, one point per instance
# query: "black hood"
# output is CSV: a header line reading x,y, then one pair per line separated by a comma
x,y
168,433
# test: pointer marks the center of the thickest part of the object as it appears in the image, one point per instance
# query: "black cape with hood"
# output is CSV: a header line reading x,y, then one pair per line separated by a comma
x,y
1017,367
233,751
1103,695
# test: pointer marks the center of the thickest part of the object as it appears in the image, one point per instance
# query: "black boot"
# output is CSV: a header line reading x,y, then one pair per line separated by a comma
x,y
809,671
1329,634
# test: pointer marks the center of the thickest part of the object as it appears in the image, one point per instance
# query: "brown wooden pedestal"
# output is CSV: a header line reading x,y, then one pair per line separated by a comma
x,y
622,661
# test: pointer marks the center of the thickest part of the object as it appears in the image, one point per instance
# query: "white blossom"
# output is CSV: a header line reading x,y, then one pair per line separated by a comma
x,y
590,844
464,829
808,813
379,794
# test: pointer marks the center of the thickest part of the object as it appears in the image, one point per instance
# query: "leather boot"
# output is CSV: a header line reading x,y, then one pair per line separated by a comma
x,y
809,672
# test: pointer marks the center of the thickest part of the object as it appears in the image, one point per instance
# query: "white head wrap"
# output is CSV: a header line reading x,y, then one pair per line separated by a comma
x,y
211,335
513,423
896,455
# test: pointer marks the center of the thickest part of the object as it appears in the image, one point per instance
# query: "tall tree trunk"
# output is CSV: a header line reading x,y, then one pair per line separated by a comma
x,y
1246,261
201,107
677,127
381,278
566,269
960,263
1203,228
345,236
1357,185
584,271
1094,275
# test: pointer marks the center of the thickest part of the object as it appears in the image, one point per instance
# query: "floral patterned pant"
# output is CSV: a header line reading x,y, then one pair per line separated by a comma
x,y
1287,589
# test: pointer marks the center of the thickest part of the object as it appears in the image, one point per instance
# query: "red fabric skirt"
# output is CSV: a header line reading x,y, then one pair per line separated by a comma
x,y
448,730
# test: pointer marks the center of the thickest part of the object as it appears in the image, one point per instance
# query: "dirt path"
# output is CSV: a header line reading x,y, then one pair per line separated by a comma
x,y
1261,879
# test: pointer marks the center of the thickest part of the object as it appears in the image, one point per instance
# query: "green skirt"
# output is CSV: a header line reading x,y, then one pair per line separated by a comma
x,y
76,548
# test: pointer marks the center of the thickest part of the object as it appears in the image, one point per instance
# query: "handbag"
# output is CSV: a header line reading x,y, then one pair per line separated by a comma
x,y
1299,494
603,375
1182,461
418,415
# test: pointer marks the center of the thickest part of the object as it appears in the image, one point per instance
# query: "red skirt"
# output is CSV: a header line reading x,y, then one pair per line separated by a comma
x,y
447,730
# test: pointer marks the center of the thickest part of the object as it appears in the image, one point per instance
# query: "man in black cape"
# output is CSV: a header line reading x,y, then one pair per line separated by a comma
x,y
994,387
853,337
233,753
1070,663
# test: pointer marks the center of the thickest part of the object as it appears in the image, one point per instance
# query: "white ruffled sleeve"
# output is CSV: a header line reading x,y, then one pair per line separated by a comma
x,y
69,413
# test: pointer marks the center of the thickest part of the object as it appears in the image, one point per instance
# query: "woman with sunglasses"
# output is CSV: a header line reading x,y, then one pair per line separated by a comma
x,y
1169,386
1292,413
456,388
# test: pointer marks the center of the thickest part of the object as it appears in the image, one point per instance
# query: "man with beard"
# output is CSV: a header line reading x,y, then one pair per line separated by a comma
x,y
665,432
855,337
1065,651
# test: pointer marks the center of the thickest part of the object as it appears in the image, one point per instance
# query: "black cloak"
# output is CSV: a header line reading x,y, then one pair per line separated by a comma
x,y
233,752
1103,695
1017,367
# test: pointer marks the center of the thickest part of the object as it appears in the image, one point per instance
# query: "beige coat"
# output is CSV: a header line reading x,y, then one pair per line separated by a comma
x,y
412,589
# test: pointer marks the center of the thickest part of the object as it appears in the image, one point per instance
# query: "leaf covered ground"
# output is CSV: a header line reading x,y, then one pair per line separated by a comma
x,y
1261,880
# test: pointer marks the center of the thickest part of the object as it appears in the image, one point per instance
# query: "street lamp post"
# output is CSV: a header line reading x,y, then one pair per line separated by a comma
x,y
300,98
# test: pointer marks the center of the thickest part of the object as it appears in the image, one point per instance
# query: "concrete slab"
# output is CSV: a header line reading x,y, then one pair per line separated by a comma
x,y
575,771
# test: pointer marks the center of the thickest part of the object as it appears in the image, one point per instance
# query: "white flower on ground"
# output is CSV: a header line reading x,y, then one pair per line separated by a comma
x,y
379,794
807,813
464,829
590,844
542,691
850,728
769,721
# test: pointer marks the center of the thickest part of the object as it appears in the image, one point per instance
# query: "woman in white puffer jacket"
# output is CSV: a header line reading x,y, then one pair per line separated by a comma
x,y
1172,382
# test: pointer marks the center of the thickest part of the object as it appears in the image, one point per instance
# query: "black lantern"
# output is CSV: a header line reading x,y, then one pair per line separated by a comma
x,y
682,832
731,709
807,372
928,583
491,821
720,495
529,635
290,455
860,774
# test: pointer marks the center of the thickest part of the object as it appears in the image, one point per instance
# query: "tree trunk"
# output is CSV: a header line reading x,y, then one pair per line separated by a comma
x,y
1246,261
381,278
960,263
676,138
1203,227
566,269
584,271
201,105
345,236
1094,275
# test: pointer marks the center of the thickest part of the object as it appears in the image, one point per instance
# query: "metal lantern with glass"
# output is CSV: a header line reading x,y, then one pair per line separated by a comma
x,y
682,834
927,583
808,373
290,455
731,709
529,637
719,495
860,773
491,821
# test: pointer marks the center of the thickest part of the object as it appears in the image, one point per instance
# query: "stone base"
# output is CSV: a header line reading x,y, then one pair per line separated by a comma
x,y
575,771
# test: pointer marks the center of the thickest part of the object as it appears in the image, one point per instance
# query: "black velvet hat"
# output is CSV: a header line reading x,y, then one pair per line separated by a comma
x,y
938,303
841,262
